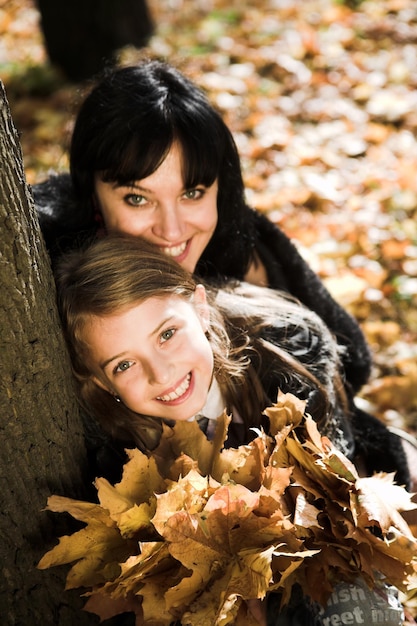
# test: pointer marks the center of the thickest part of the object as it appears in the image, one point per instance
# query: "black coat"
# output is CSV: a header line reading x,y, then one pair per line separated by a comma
x,y
66,225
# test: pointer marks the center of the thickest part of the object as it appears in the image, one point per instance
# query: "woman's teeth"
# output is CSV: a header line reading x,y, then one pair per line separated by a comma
x,y
175,250
178,392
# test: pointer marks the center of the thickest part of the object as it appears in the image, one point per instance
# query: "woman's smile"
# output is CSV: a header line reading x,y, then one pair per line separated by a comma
x,y
178,252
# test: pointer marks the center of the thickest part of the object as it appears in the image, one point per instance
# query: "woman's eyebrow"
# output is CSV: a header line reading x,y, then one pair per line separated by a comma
x,y
132,185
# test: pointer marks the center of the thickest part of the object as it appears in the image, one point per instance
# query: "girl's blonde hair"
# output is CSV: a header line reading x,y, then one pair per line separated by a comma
x,y
117,272
113,274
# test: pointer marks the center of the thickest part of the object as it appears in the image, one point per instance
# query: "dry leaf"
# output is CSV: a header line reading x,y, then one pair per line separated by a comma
x,y
199,548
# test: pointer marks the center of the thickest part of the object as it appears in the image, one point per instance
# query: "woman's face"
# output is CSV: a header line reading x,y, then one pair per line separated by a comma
x,y
158,208
155,355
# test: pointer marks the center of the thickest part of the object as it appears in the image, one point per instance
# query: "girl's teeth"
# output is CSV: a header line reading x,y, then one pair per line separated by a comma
x,y
178,392
175,250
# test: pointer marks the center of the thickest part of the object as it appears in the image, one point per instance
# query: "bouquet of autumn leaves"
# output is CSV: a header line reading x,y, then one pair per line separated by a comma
x,y
194,532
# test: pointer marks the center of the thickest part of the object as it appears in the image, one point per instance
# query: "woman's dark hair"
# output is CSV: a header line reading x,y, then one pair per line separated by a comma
x,y
126,127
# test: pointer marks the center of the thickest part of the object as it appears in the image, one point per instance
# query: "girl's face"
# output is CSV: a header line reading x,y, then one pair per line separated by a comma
x,y
155,355
158,208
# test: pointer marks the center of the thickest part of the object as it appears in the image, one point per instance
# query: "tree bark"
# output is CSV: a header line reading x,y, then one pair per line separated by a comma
x,y
83,36
42,448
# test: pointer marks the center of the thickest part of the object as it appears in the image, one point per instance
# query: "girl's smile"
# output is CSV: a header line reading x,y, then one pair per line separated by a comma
x,y
178,394
154,355
158,208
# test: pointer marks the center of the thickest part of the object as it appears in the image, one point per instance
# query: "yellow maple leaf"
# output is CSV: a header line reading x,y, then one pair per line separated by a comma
x,y
137,520
140,480
288,411
96,550
383,500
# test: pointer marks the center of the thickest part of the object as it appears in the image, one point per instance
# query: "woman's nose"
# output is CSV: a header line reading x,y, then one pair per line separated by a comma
x,y
169,224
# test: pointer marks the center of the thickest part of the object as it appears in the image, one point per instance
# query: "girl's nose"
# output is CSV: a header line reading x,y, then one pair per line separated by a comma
x,y
169,224
160,371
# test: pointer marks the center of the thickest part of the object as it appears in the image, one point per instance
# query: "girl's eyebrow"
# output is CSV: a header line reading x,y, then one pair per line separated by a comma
x,y
166,320
156,330
113,358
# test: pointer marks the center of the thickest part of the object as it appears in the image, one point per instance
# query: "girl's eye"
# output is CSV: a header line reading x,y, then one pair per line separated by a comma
x,y
194,194
123,366
167,334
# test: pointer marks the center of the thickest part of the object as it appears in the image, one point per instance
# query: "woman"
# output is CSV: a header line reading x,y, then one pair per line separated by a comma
x,y
147,127
151,157
149,344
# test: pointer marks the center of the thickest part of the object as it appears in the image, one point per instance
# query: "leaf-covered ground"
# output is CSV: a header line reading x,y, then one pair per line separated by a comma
x,y
322,101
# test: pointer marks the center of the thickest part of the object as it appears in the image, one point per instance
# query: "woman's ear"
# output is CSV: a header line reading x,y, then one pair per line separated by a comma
x,y
202,308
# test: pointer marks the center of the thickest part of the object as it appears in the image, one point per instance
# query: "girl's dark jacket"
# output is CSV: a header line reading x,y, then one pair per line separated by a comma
x,y
65,225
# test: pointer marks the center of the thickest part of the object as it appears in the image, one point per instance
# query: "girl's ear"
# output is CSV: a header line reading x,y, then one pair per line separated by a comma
x,y
100,384
202,308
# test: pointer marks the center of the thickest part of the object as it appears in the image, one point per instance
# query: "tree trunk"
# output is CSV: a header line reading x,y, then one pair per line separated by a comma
x,y
83,36
42,449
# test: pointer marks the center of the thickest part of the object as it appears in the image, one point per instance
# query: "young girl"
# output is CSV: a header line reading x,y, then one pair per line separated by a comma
x,y
148,343
110,294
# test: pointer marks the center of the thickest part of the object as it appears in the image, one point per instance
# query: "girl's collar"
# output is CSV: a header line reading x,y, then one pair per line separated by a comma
x,y
212,409
215,404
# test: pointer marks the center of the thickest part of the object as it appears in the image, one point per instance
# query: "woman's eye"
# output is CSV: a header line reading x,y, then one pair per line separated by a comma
x,y
167,334
123,366
135,199
194,194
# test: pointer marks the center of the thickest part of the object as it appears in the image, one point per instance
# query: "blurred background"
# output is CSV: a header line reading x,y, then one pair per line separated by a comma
x,y
321,98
